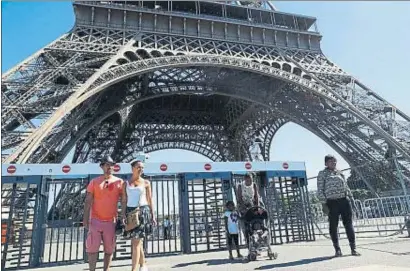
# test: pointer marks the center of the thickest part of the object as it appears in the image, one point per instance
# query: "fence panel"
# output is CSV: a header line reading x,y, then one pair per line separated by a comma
x,y
375,217
165,237
18,220
206,199
64,236
289,210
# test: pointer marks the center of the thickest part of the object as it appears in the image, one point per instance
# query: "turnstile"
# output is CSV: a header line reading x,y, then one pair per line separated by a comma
x,y
207,194
287,201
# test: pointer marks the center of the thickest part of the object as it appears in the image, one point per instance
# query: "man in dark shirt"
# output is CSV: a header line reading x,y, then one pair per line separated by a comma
x,y
334,192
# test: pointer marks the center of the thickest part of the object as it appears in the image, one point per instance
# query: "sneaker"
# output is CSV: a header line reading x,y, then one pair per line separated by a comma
x,y
355,253
143,268
230,257
240,256
338,253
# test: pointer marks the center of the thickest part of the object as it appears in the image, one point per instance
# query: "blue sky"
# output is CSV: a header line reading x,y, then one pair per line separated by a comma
x,y
370,40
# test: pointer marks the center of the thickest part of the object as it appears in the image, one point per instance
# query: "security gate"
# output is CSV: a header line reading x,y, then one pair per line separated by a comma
x,y
165,236
19,220
206,194
288,206
42,208
60,236
64,235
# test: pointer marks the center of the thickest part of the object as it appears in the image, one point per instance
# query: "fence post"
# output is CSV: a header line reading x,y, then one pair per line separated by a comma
x,y
403,185
9,232
40,224
407,223
85,231
184,215
227,189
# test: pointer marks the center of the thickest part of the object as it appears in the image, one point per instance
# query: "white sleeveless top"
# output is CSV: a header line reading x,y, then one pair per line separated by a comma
x,y
136,195
248,193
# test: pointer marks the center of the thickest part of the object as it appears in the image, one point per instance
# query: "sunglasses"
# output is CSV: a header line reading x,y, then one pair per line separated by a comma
x,y
108,185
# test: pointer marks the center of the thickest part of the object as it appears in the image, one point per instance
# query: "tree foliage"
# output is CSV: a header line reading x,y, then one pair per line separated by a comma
x,y
361,194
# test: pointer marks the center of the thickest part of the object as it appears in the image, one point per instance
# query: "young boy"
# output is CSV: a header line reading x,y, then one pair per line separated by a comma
x,y
232,229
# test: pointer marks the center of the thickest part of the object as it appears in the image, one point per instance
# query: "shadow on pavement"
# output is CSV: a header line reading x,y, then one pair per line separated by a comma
x,y
111,266
386,251
402,254
295,263
209,262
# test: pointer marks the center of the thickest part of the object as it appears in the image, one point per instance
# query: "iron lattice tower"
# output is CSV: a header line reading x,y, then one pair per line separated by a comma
x,y
207,76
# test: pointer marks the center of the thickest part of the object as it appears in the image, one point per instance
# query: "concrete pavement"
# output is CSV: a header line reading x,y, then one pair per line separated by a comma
x,y
391,254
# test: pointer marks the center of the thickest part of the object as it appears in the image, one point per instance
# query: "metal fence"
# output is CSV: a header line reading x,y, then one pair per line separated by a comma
x,y
375,217
42,220
42,216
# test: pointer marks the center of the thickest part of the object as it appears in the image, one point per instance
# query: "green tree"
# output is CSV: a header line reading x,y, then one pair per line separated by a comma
x,y
361,194
313,197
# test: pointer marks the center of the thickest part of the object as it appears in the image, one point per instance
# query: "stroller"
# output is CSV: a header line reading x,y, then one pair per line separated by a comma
x,y
257,233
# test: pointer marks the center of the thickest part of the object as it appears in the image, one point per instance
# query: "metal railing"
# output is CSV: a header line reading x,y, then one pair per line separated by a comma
x,y
375,217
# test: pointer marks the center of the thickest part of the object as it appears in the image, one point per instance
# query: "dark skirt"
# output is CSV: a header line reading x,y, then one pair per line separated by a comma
x,y
145,227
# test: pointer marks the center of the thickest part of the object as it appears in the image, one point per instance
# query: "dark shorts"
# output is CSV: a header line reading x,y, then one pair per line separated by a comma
x,y
233,239
145,227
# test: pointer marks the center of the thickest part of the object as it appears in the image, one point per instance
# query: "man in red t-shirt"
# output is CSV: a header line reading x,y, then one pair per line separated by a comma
x,y
100,213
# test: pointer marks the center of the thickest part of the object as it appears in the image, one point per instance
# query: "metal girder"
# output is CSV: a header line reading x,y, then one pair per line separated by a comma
x,y
268,134
25,149
206,150
121,72
20,118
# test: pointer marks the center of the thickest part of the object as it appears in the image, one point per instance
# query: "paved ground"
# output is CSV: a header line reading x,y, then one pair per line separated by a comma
x,y
392,254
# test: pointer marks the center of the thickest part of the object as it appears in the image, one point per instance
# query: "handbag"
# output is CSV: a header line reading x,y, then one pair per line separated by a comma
x,y
133,220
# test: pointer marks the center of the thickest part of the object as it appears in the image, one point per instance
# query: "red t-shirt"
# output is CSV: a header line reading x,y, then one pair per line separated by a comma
x,y
106,195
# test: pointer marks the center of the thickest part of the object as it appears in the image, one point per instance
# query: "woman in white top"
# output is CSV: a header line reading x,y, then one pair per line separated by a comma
x,y
139,195
248,195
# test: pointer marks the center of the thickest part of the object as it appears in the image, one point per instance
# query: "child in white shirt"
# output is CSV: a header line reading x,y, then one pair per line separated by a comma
x,y
232,228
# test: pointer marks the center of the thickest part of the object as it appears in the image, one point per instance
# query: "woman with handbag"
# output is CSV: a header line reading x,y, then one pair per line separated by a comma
x,y
139,213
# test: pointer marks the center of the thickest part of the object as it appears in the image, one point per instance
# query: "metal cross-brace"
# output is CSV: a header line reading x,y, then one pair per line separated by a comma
x,y
21,119
25,150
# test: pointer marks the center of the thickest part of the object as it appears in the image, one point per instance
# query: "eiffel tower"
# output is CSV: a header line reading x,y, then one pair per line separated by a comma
x,y
215,77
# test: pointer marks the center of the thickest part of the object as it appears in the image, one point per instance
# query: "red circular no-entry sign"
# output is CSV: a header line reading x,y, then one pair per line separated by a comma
x,y
163,167
117,168
207,166
11,169
248,165
285,165
66,168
